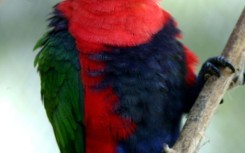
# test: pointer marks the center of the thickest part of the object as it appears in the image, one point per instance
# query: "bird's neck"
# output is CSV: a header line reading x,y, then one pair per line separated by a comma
x,y
114,22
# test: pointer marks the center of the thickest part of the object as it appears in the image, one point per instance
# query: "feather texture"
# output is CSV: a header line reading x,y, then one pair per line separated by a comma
x,y
127,94
61,87
150,81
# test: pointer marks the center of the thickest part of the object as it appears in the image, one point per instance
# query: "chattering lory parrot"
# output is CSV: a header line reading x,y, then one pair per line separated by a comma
x,y
115,77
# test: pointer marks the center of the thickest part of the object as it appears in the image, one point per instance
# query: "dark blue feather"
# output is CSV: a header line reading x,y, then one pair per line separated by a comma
x,y
149,80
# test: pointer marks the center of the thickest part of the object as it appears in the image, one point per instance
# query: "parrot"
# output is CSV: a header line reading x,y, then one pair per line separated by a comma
x,y
115,76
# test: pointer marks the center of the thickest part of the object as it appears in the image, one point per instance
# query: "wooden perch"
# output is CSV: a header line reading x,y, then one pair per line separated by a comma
x,y
212,93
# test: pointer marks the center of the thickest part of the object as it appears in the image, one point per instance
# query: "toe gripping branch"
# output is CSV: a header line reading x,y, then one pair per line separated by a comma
x,y
212,67
239,78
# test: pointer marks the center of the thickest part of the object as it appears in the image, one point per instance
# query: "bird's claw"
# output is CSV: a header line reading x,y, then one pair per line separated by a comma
x,y
238,80
220,61
212,67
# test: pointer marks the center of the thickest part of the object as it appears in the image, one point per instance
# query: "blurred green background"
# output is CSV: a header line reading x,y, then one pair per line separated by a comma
x,y
206,25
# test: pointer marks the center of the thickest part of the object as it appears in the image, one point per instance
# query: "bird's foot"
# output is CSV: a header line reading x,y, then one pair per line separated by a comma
x,y
238,80
212,68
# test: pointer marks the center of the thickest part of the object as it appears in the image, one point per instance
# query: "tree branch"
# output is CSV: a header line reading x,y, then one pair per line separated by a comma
x,y
212,93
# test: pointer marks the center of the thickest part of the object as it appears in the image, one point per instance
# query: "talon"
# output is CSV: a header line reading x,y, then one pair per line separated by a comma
x,y
211,69
212,65
222,62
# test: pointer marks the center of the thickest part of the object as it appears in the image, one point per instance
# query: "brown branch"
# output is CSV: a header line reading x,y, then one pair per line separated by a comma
x,y
211,95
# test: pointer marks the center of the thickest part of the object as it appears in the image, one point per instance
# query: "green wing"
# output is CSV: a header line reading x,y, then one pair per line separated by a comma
x,y
61,89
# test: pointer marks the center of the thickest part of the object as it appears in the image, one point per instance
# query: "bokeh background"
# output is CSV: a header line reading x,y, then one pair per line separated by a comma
x,y
206,25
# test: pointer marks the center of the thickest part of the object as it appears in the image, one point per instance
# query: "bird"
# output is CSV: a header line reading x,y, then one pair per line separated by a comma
x,y
115,76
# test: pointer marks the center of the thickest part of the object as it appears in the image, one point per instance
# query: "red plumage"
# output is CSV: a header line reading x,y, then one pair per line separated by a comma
x,y
191,62
99,113
111,22
120,22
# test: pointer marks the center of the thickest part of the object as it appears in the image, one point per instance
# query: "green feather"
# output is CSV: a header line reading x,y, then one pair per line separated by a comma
x,y
41,42
61,89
